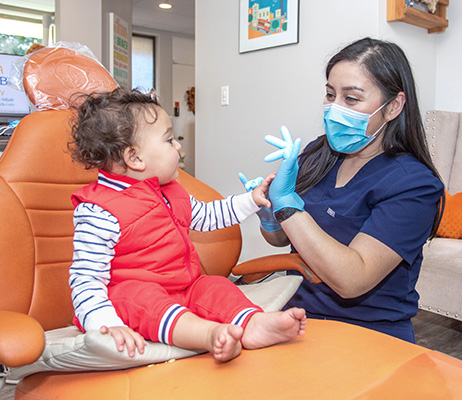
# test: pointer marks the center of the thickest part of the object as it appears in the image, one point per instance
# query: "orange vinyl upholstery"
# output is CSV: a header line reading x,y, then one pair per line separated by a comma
x,y
332,361
54,77
37,180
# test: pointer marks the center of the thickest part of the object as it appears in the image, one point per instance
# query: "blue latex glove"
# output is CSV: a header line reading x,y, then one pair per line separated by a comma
x,y
267,221
282,190
285,145
250,185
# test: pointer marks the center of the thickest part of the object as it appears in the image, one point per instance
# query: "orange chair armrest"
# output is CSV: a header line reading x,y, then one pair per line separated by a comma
x,y
22,339
277,262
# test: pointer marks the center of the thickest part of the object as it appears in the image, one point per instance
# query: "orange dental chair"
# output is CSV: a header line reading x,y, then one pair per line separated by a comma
x,y
332,360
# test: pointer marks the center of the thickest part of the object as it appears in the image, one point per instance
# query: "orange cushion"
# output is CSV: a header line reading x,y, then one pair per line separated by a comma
x,y
451,223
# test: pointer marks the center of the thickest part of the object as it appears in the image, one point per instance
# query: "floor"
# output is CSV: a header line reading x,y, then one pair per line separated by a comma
x,y
433,331
439,333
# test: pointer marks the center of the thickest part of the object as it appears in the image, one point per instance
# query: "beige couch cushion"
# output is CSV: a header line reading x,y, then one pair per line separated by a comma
x,y
440,280
441,277
455,182
444,137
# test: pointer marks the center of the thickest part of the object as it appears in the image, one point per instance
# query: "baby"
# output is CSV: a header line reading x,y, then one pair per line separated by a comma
x,y
135,272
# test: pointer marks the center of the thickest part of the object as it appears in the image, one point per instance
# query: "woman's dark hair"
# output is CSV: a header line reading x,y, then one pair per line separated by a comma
x,y
387,66
106,124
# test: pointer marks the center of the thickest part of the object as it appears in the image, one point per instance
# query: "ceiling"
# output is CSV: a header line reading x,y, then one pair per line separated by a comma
x,y
146,13
180,18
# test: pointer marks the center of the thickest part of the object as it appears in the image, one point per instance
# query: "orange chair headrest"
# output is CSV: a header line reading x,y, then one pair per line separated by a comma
x,y
54,77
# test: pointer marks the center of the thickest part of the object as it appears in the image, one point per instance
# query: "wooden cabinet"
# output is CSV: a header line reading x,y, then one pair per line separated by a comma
x,y
397,10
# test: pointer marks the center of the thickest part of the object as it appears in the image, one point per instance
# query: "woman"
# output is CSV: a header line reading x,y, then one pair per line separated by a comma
x,y
365,196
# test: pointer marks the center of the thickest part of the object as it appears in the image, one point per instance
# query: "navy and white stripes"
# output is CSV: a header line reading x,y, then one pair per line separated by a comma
x,y
220,214
240,318
166,323
112,183
96,234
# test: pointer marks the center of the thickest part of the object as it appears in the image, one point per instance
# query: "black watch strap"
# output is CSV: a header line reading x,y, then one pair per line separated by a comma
x,y
284,213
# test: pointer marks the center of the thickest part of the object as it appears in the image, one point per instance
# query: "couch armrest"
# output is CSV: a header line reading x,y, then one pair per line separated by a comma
x,y
278,262
22,339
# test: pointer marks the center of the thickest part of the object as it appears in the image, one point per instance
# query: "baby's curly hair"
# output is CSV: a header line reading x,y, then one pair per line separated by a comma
x,y
106,124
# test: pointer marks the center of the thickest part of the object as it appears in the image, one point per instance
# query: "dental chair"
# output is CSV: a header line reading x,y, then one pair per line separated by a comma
x,y
53,360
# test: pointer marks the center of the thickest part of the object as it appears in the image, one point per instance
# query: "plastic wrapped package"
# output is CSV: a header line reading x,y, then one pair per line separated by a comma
x,y
53,77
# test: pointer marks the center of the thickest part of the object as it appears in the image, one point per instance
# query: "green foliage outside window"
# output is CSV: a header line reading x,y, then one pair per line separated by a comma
x,y
11,44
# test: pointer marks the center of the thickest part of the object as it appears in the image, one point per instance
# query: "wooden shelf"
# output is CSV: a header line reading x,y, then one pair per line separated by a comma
x,y
397,10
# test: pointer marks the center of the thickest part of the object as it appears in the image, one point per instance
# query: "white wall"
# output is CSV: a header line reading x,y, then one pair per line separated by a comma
x,y
449,62
283,85
73,19
87,22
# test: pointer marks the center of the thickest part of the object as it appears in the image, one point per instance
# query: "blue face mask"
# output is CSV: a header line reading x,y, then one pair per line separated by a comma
x,y
346,129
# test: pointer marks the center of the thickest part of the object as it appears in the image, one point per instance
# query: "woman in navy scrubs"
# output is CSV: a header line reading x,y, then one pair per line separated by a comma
x,y
364,197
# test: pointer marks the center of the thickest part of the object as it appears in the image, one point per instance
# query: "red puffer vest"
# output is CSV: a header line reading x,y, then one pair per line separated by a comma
x,y
154,244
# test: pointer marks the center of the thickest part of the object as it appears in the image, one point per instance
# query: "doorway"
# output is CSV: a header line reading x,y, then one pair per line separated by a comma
x,y
184,123
169,60
183,79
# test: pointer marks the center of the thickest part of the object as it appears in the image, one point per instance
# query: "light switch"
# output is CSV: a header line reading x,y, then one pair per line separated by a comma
x,y
225,95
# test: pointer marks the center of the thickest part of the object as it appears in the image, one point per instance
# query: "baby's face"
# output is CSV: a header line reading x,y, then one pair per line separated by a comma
x,y
158,149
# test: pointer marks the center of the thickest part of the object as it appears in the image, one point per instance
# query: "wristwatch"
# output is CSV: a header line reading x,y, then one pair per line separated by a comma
x,y
284,213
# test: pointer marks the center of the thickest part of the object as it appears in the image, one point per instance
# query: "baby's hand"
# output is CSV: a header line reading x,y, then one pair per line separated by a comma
x,y
125,336
267,221
260,193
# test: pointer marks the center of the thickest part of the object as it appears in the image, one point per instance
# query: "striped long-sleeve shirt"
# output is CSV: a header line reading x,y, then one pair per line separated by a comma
x,y
96,234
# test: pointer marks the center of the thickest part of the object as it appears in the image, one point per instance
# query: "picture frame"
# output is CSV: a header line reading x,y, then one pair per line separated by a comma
x,y
267,23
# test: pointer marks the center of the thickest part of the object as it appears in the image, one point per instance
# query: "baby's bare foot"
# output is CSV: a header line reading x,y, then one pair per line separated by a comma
x,y
226,342
266,329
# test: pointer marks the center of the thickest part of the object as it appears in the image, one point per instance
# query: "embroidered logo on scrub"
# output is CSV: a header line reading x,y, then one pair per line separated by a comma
x,y
331,212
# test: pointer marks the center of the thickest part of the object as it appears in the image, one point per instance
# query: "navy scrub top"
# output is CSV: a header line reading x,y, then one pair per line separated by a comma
x,y
395,201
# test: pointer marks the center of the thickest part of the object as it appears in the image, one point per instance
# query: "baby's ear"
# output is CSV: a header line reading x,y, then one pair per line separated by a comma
x,y
132,160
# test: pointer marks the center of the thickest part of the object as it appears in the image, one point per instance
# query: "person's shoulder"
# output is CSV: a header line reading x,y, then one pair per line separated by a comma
x,y
410,165
407,168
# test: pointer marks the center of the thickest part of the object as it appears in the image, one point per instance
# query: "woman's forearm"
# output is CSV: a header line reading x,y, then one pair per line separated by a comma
x,y
348,270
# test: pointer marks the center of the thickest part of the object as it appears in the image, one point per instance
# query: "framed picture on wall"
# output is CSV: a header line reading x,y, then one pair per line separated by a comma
x,y
267,23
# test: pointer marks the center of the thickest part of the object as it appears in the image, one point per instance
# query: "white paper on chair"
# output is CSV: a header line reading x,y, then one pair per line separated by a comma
x,y
68,349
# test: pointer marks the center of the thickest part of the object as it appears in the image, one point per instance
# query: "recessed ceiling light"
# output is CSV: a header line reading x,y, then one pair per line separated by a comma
x,y
165,6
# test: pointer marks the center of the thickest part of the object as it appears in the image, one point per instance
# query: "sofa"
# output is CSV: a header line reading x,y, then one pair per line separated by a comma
x,y
440,281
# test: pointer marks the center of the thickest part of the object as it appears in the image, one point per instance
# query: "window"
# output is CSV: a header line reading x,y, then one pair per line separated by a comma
x,y
21,27
143,62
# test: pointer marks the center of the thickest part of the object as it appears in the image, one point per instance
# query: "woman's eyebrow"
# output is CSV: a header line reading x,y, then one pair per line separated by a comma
x,y
346,88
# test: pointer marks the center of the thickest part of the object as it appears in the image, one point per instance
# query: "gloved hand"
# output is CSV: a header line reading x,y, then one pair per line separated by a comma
x,y
282,190
285,145
267,221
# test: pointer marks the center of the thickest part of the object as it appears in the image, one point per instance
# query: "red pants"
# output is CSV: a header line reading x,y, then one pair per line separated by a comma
x,y
152,311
